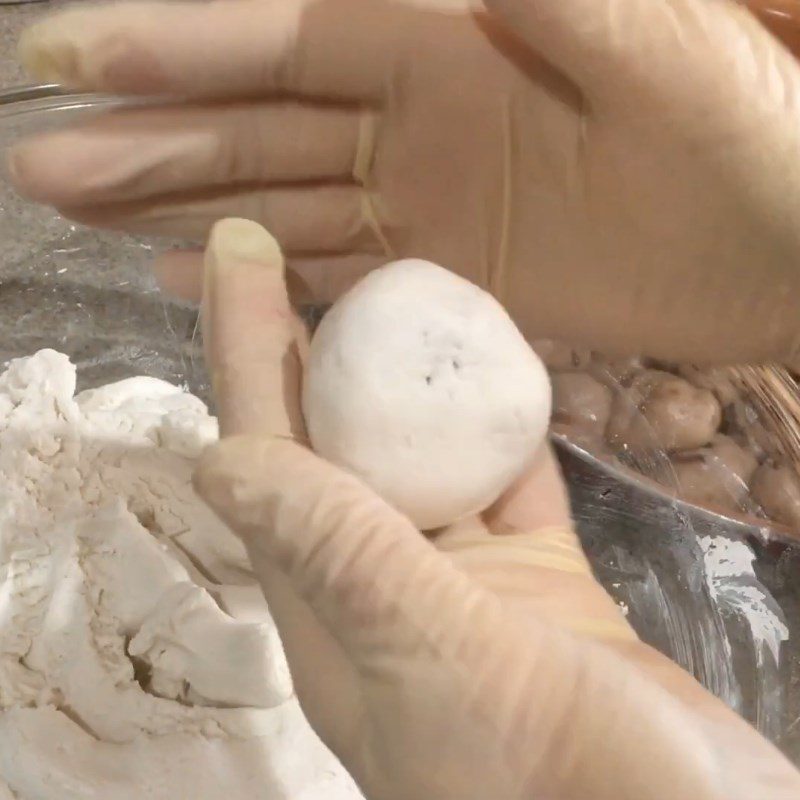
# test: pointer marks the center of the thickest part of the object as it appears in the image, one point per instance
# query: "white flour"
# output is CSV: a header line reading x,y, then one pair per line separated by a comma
x,y
734,586
137,657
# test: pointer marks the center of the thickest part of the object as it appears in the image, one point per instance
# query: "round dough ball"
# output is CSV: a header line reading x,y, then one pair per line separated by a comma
x,y
776,488
662,411
581,403
419,382
748,428
715,476
731,457
715,379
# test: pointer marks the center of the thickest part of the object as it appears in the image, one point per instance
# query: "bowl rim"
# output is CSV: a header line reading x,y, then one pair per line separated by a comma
x,y
744,526
34,98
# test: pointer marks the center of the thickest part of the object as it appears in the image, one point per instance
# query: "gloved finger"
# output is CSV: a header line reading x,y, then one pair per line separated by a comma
x,y
137,154
250,333
223,49
251,336
629,52
305,220
331,535
256,384
310,281
321,281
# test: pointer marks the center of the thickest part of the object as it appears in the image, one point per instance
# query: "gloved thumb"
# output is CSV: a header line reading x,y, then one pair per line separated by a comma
x,y
369,575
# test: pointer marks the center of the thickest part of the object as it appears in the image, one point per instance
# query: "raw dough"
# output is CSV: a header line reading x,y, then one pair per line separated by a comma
x,y
659,410
581,403
776,488
419,382
137,655
715,476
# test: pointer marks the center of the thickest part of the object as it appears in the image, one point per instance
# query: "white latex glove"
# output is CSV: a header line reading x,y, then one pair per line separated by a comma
x,y
485,662
620,173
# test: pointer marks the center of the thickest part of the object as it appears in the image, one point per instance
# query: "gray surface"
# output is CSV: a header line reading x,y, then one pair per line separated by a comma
x,y
88,294
13,19
646,551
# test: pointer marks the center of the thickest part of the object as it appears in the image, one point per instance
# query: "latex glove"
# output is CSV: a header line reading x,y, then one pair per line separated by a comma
x,y
620,173
485,662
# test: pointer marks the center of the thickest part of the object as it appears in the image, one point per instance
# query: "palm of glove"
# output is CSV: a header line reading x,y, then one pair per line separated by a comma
x,y
603,174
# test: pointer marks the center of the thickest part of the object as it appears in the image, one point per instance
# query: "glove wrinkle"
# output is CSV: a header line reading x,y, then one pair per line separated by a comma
x,y
497,279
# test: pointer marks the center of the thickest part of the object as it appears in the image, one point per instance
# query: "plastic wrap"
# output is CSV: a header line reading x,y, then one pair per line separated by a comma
x,y
697,433
667,465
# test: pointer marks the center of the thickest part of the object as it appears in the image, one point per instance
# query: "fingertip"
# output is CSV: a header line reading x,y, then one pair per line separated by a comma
x,y
250,332
44,52
235,241
239,255
65,168
99,48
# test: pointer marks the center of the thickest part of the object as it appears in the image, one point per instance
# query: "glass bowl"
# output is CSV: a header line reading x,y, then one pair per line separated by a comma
x,y
86,293
683,575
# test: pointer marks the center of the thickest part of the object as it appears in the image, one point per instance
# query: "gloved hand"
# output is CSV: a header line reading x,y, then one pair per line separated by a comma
x,y
621,173
485,662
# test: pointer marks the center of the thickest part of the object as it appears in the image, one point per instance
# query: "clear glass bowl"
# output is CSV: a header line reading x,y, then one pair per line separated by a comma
x,y
682,573
86,293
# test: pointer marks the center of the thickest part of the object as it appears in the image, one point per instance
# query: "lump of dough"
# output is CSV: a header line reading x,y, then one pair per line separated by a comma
x,y
777,490
749,428
715,476
663,411
418,382
581,403
715,379
732,457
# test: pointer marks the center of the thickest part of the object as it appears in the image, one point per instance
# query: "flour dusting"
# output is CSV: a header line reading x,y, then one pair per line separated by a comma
x,y
137,655
734,586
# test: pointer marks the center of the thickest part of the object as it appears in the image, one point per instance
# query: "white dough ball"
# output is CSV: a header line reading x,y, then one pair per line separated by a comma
x,y
418,382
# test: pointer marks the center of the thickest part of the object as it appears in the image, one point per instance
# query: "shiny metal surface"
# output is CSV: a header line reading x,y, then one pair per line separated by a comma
x,y
646,548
